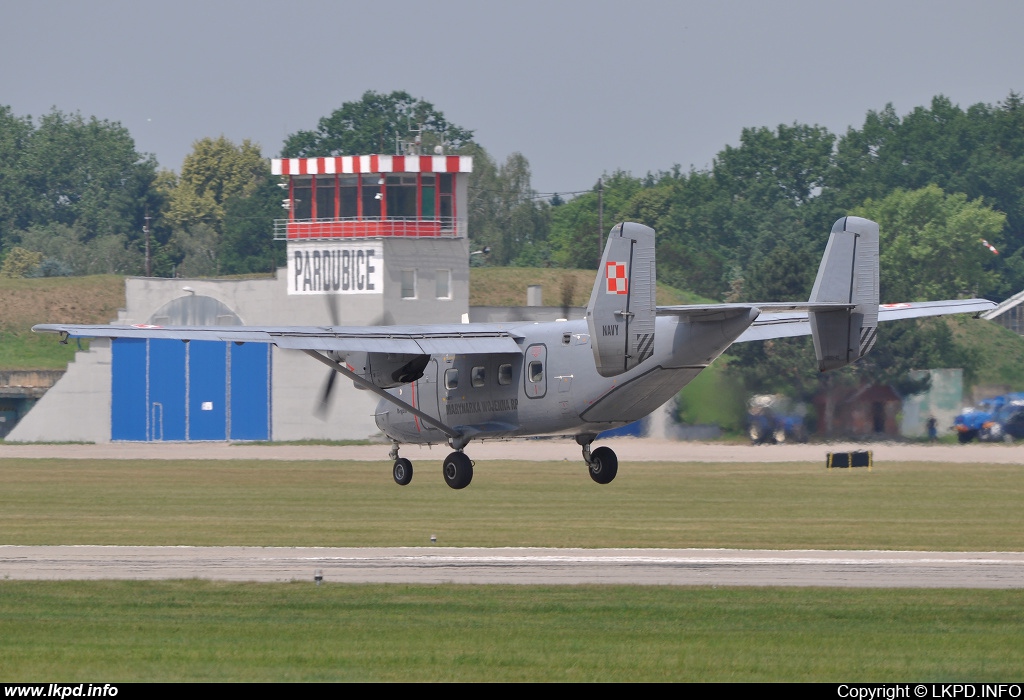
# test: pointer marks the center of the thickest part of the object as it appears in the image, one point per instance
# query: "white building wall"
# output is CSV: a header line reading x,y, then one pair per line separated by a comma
x,y
77,407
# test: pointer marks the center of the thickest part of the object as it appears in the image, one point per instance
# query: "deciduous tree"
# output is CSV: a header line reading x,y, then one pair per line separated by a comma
x,y
932,244
375,124
216,170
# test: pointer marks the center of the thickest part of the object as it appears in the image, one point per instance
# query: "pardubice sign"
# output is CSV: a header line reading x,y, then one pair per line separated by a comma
x,y
336,267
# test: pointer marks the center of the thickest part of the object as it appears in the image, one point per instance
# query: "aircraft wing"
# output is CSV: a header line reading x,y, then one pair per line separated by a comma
x,y
785,324
414,340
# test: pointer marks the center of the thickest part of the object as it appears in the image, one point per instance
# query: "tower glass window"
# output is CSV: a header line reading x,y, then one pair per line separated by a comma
x,y
372,194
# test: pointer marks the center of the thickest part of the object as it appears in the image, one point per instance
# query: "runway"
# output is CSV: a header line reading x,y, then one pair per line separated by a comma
x,y
448,565
628,450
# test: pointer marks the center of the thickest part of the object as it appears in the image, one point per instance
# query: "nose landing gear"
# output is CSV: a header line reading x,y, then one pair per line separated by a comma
x,y
402,471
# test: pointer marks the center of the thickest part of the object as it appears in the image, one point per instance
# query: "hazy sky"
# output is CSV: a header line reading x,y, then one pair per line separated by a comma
x,y
579,88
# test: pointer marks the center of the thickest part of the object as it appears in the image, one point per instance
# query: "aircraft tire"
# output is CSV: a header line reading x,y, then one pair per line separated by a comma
x,y
458,470
604,465
402,471
966,436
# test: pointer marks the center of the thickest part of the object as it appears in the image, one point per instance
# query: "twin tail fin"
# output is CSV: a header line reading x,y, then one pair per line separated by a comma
x,y
620,315
848,274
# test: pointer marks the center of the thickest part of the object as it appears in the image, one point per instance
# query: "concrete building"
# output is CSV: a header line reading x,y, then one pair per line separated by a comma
x,y
375,240
1008,314
943,401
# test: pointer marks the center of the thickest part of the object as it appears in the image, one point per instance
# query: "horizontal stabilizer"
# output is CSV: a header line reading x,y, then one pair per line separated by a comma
x,y
705,311
788,325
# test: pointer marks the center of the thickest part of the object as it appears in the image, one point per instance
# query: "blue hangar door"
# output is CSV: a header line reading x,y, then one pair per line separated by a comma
x,y
200,390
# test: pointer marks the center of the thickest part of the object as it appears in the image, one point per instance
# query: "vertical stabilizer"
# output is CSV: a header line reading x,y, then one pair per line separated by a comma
x,y
621,311
848,274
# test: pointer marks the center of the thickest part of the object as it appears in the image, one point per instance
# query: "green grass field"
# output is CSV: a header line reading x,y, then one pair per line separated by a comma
x,y
196,630
916,506
201,631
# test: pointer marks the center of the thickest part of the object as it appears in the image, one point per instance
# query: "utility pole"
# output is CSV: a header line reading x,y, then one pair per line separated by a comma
x,y
600,219
149,260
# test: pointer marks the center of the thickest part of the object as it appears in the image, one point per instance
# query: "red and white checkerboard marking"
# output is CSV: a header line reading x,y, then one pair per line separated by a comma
x,y
618,282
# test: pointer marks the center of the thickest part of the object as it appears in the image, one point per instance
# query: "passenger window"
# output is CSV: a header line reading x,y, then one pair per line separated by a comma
x,y
504,374
451,379
536,372
478,376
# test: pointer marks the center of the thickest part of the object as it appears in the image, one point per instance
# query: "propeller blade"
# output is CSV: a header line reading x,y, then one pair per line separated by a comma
x,y
325,396
332,309
321,410
385,319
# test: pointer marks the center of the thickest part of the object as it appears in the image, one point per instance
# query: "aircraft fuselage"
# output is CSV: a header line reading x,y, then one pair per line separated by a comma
x,y
552,387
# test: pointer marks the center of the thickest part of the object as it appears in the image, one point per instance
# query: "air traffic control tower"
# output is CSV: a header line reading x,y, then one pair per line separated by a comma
x,y
371,240
387,233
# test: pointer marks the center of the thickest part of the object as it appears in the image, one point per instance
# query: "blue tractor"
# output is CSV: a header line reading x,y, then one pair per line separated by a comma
x,y
977,421
772,419
1006,423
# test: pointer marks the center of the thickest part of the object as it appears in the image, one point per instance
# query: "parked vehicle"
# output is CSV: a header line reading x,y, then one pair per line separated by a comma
x,y
969,424
1006,424
772,418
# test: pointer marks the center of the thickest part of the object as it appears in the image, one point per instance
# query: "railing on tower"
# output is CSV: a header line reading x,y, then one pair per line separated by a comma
x,y
392,227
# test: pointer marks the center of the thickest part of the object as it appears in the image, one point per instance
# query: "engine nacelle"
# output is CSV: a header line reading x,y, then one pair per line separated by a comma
x,y
387,370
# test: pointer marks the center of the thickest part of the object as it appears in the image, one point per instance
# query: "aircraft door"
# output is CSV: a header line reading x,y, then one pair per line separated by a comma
x,y
426,396
535,380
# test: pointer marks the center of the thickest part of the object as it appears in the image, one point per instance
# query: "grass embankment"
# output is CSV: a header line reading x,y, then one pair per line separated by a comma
x,y
894,506
26,302
198,631
1001,351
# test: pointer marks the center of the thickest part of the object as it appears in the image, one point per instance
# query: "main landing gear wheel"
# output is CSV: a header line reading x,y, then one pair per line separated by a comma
x,y
458,470
604,465
402,471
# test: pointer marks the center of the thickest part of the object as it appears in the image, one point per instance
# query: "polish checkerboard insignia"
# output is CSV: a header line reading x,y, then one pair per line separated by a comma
x,y
617,281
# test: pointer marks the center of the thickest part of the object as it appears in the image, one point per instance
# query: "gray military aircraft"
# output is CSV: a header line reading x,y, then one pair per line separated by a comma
x,y
458,383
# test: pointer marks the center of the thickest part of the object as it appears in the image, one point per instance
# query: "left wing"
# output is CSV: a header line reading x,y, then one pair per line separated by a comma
x,y
411,340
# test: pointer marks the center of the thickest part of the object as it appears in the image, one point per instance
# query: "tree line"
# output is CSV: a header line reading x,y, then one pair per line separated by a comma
x,y
945,184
